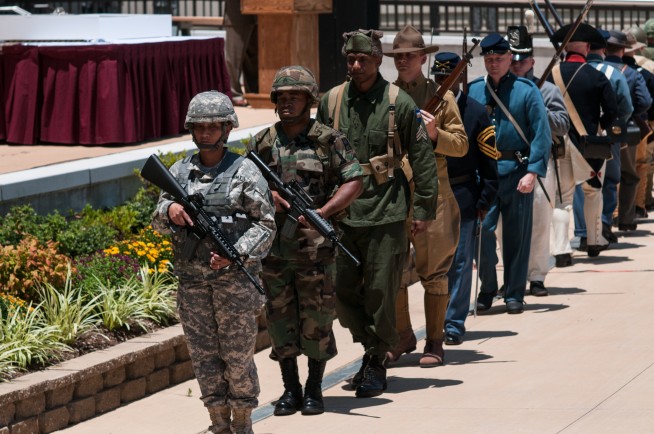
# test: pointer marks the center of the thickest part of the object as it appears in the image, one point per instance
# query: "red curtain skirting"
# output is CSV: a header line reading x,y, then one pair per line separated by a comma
x,y
105,94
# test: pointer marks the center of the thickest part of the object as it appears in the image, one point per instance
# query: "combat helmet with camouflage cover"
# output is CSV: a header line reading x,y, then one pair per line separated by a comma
x,y
648,27
638,33
210,106
294,78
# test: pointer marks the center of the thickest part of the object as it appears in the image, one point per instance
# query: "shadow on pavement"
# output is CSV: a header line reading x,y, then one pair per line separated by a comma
x,y
544,307
487,334
553,290
603,258
463,357
624,246
347,404
401,384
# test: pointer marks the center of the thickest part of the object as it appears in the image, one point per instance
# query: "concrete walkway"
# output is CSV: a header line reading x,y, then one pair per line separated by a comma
x,y
578,361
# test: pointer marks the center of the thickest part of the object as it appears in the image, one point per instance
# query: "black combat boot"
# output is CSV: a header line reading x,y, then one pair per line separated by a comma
x,y
374,379
313,403
358,377
291,399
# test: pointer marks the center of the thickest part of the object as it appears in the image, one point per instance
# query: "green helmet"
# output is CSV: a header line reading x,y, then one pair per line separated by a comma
x,y
294,78
649,26
211,106
638,33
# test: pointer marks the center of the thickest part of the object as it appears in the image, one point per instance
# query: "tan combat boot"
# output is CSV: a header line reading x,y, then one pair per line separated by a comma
x,y
242,421
220,419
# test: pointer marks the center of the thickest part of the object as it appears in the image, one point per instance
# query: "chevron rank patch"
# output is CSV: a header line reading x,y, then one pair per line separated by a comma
x,y
486,143
422,133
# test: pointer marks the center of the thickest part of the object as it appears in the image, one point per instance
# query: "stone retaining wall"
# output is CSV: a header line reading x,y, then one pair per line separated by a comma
x,y
81,388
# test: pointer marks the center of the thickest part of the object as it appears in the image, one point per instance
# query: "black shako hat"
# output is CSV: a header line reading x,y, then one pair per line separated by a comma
x,y
584,33
520,41
444,63
494,44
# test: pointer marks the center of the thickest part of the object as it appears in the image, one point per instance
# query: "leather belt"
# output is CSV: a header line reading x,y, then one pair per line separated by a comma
x,y
460,179
510,155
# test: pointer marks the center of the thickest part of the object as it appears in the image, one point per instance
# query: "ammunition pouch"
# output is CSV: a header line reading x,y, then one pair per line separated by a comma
x,y
598,147
378,167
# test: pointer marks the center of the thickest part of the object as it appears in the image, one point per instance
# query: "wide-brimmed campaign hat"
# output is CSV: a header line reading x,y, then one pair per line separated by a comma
x,y
618,39
584,33
409,40
634,44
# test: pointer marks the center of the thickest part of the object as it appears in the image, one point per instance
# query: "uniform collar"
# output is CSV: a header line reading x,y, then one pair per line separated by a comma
x,y
592,57
303,137
374,94
575,57
408,87
614,59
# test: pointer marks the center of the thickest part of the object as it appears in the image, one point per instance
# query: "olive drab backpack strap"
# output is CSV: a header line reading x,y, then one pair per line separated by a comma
x,y
334,104
393,145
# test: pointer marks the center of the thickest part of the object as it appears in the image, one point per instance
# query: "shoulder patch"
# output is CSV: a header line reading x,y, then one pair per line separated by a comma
x,y
486,143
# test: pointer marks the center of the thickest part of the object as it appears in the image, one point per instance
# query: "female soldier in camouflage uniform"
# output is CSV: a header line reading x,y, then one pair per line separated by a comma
x,y
297,273
217,305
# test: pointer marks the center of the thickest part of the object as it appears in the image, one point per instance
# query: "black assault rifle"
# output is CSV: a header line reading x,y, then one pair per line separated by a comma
x,y
301,205
203,224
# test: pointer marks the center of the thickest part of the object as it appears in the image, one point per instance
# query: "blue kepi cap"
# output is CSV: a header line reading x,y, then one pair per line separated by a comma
x,y
494,44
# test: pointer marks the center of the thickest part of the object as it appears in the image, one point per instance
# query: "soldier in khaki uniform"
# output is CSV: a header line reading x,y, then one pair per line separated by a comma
x,y
374,230
435,250
217,304
298,271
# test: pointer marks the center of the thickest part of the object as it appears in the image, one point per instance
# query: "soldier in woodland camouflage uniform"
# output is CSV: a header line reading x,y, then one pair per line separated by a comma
x,y
298,271
217,305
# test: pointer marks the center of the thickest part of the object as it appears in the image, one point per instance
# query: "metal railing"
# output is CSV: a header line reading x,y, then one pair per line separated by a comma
x,y
483,17
426,15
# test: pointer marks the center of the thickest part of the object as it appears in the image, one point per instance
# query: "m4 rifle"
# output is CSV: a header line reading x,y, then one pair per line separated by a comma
x,y
301,205
203,224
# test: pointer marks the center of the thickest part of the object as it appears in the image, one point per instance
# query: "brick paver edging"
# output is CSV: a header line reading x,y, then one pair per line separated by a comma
x,y
98,382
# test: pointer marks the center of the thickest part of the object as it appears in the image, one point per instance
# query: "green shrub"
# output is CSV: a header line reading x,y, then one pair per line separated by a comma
x,y
22,220
121,218
83,237
110,270
30,262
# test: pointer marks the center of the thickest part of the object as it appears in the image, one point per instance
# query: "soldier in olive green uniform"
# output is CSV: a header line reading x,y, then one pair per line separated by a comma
x,y
218,306
434,250
374,230
298,271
